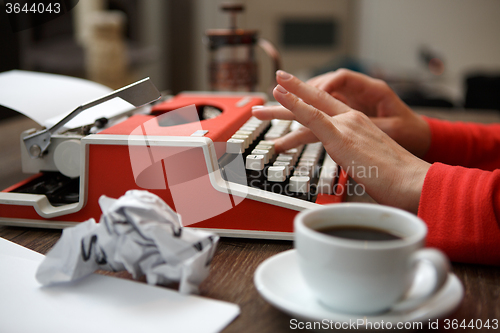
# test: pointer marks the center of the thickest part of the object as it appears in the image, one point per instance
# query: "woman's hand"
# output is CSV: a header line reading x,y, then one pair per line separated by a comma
x,y
372,97
396,177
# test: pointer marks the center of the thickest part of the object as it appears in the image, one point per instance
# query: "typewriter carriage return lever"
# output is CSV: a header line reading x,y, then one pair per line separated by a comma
x,y
138,94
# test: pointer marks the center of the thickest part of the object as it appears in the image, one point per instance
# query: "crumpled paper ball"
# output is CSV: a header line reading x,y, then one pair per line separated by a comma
x,y
139,233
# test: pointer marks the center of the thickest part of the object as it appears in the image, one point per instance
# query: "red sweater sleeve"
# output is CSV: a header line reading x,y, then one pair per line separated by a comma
x,y
466,144
461,208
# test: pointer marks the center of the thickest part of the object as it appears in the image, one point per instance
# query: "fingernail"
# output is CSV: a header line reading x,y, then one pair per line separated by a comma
x,y
255,107
281,90
284,75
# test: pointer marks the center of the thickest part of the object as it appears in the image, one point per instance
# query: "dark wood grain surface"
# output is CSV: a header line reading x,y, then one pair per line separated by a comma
x,y
235,262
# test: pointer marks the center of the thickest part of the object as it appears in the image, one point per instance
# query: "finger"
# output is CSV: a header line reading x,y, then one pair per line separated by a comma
x,y
341,98
357,90
321,82
300,136
331,80
344,80
315,81
360,91
317,121
311,95
272,112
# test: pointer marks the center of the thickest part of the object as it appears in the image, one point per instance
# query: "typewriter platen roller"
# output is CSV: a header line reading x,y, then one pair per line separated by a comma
x,y
203,153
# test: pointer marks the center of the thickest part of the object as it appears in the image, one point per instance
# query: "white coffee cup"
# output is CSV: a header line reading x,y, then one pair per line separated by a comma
x,y
358,276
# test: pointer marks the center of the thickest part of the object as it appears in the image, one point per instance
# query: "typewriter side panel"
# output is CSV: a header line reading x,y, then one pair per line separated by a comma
x,y
184,172
111,169
183,175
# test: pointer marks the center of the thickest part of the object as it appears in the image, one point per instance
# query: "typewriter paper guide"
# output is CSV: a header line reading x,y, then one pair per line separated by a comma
x,y
47,98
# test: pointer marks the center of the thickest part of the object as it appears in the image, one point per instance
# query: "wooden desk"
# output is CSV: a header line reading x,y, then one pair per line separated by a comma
x,y
234,264
235,261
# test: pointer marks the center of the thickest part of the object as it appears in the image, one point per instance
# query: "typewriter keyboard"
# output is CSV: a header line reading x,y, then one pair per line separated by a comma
x,y
301,172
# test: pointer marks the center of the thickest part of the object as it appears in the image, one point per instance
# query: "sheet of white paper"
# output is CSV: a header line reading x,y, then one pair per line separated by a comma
x,y
97,303
47,98
11,249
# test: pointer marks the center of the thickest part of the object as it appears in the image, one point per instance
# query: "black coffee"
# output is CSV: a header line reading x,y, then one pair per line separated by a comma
x,y
359,233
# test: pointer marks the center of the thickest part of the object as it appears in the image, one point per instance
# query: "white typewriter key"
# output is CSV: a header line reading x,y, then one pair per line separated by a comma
x,y
272,135
247,133
282,123
314,146
266,147
243,132
284,158
313,158
286,165
293,152
299,184
268,143
304,167
258,122
255,162
307,162
317,145
302,173
235,146
245,138
282,130
265,123
250,125
327,176
276,174
264,152
253,130
294,157
260,125
309,159
278,129
254,120
313,151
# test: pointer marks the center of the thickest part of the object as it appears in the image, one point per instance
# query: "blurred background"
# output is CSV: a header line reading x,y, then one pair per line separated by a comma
x,y
434,53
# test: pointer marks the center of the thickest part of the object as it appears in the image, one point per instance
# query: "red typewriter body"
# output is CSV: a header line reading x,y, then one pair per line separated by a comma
x,y
171,153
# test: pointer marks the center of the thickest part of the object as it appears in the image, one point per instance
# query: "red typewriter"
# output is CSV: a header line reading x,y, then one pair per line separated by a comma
x,y
203,153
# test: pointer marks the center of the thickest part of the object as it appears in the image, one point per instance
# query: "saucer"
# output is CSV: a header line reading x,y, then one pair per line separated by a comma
x,y
279,280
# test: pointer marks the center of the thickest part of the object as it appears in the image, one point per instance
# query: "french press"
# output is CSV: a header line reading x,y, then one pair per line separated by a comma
x,y
232,65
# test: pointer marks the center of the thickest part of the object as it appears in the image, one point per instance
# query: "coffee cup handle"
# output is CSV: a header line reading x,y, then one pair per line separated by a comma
x,y
441,266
